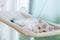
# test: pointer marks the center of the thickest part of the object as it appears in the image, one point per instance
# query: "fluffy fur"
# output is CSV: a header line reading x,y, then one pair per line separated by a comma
x,y
35,25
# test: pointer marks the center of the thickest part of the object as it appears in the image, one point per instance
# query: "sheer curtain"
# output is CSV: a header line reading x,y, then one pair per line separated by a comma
x,y
16,5
10,8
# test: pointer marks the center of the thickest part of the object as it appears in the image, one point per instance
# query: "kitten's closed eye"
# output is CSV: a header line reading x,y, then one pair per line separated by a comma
x,y
39,27
44,31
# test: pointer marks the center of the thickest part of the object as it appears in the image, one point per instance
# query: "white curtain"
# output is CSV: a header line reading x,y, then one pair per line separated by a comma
x,y
10,8
16,5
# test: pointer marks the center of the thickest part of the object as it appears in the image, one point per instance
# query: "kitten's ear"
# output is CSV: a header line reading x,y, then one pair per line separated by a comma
x,y
40,21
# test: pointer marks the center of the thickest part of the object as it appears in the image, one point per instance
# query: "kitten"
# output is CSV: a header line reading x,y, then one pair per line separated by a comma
x,y
42,26
34,24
